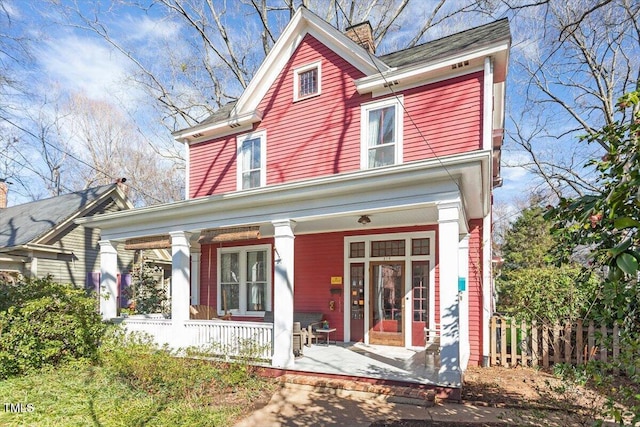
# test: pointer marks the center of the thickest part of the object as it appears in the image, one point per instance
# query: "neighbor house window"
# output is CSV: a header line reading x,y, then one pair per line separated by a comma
x,y
252,154
381,133
244,284
306,81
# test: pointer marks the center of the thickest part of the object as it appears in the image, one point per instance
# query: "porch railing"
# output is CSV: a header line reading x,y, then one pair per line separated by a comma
x,y
252,340
158,329
229,338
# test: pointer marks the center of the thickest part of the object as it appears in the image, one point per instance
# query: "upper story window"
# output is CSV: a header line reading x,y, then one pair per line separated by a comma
x,y
381,133
252,163
306,81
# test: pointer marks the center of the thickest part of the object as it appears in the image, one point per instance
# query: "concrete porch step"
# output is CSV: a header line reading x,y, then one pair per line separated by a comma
x,y
361,390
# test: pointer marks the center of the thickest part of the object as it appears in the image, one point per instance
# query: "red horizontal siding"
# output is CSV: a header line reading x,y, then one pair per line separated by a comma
x,y
320,136
474,287
448,115
315,136
212,167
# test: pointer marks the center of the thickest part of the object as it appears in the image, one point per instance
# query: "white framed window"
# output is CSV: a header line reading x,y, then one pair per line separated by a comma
x,y
381,133
307,81
244,279
252,160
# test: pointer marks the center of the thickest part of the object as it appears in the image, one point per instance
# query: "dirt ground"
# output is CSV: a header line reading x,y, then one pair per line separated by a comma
x,y
533,389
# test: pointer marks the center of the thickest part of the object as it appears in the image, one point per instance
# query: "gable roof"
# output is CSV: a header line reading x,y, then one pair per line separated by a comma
x,y
29,222
408,64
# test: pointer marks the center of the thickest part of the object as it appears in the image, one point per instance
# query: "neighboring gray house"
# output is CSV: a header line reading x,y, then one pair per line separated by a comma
x,y
40,238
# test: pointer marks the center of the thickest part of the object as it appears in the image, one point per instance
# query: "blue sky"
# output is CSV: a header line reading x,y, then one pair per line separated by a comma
x,y
70,60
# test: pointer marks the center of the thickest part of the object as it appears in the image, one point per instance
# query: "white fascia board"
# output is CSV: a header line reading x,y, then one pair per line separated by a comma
x,y
423,71
236,123
302,198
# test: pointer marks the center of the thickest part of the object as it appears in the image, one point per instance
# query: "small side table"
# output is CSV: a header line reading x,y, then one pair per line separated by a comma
x,y
326,333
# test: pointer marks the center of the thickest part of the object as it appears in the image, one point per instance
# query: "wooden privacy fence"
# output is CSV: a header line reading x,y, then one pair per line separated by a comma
x,y
518,343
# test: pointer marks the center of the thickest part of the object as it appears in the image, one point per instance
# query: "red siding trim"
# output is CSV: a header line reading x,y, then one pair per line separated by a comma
x,y
476,326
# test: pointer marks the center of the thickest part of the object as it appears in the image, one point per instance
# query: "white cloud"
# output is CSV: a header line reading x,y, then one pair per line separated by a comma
x,y
82,65
147,29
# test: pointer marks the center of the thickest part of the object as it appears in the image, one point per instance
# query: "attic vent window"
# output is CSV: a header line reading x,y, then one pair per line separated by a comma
x,y
307,81
460,65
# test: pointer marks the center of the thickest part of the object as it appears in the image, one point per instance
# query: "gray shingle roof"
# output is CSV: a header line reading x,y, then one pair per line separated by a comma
x,y
456,43
24,223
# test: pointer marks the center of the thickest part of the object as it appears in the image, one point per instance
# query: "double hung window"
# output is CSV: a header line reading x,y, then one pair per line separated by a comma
x,y
381,132
252,160
244,282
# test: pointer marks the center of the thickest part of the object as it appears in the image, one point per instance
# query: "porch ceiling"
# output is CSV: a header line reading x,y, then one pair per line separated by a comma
x,y
395,196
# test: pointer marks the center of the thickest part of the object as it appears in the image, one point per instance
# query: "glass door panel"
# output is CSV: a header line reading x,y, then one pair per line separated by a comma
x,y
386,309
420,296
357,302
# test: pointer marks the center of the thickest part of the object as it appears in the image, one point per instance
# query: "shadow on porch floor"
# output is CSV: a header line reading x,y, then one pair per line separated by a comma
x,y
369,361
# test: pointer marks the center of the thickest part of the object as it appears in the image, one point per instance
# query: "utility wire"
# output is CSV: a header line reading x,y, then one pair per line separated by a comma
x,y
92,167
393,92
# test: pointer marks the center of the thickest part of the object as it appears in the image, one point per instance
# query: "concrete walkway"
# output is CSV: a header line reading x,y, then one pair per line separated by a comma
x,y
303,405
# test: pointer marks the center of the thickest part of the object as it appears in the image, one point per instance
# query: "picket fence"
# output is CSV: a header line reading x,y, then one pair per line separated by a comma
x,y
518,343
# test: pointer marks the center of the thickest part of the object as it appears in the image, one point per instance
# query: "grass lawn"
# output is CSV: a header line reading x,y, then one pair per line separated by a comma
x,y
82,394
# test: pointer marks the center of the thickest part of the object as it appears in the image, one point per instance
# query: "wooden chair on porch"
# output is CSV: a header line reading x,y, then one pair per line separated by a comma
x,y
202,312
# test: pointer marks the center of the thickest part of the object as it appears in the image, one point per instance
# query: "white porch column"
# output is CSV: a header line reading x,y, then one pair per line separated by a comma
x,y
463,274
108,280
488,300
180,282
448,238
283,294
195,276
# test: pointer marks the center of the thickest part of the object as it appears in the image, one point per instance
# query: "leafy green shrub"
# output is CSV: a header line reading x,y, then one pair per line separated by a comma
x,y
135,360
43,323
146,293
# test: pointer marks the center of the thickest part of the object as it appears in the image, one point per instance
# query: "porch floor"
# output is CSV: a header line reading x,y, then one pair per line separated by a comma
x,y
369,361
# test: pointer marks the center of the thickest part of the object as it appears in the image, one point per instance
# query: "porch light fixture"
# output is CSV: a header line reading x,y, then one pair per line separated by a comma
x,y
364,219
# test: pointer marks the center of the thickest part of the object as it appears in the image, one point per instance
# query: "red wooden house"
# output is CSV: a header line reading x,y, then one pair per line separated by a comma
x,y
343,183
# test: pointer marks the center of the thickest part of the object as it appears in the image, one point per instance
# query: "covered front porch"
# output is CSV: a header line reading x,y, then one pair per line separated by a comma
x,y
303,226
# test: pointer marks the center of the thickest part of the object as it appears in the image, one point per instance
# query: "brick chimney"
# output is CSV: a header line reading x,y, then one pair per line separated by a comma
x,y
362,34
3,193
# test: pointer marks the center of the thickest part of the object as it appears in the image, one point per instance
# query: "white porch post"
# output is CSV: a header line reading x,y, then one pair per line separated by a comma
x,y
283,294
448,238
180,282
108,280
487,289
463,273
195,276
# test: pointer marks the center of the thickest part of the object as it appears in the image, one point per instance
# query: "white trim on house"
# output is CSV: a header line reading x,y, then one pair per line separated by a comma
x,y
396,187
407,259
487,108
365,110
296,80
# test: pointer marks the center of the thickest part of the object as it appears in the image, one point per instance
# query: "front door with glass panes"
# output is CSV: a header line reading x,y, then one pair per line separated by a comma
x,y
390,292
